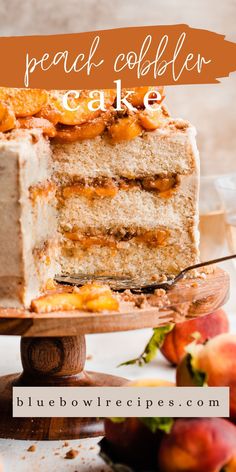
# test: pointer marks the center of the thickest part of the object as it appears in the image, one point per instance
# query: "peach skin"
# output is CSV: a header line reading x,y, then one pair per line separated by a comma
x,y
208,326
214,364
132,442
199,445
135,441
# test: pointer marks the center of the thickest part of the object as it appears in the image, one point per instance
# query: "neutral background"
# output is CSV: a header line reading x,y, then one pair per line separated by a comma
x,y
211,108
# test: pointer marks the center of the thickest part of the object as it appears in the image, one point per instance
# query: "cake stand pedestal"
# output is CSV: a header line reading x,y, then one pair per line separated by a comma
x,y
53,350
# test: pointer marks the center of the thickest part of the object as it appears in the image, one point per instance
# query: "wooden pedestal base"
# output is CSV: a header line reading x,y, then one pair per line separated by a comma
x,y
53,355
51,362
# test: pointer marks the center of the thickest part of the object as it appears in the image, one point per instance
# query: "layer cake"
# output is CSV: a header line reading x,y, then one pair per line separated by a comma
x,y
114,195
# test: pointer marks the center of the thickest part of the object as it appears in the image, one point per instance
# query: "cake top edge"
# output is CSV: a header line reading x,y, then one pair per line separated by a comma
x,y
172,126
36,109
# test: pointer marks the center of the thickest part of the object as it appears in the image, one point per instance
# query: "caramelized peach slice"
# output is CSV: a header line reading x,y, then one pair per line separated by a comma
x,y
103,303
151,119
49,112
25,102
30,122
156,237
7,117
90,297
57,302
79,133
136,99
125,129
91,291
80,113
3,107
159,184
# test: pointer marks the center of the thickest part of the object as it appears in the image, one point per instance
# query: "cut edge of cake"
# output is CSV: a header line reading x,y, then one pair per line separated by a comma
x,y
33,245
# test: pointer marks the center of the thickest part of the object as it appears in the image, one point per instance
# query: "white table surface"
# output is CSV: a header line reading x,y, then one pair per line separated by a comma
x,y
106,351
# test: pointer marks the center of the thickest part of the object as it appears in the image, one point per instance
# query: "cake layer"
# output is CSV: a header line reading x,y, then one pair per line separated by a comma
x,y
171,149
131,208
25,162
130,258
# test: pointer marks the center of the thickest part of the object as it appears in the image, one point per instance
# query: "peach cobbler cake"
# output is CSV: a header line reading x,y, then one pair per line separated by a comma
x,y
92,192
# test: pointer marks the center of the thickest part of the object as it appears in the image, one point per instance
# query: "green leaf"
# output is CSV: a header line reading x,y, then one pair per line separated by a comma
x,y
154,343
162,424
199,377
117,420
154,424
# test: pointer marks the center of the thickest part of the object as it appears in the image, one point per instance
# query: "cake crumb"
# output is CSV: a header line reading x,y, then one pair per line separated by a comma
x,y
31,448
140,300
71,454
66,444
159,278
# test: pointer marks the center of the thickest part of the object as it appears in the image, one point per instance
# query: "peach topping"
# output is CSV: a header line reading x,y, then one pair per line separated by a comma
x,y
125,129
93,297
35,108
7,117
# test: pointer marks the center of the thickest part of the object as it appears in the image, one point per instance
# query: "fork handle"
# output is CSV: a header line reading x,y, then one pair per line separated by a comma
x,y
203,264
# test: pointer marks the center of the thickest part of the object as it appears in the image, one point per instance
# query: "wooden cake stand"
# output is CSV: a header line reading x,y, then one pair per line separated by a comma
x,y
53,350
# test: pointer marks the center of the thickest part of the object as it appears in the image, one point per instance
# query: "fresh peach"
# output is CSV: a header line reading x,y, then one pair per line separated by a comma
x,y
132,442
135,441
199,445
213,364
207,326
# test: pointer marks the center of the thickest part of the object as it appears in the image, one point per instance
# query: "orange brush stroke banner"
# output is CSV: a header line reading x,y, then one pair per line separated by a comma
x,y
149,55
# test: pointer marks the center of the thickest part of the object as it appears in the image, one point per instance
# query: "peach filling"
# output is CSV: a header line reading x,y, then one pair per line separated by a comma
x,y
157,237
89,191
109,187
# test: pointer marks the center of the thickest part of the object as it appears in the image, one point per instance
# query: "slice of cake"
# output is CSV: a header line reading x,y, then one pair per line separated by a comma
x,y
112,193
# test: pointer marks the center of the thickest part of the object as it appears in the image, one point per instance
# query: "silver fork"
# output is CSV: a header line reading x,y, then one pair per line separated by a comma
x,y
120,284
